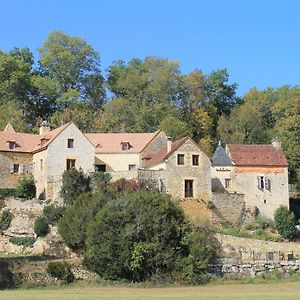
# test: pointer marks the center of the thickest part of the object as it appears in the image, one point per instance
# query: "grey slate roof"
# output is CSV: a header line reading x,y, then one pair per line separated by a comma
x,y
220,157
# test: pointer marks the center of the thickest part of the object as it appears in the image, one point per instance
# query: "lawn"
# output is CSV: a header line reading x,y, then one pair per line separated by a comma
x,y
286,291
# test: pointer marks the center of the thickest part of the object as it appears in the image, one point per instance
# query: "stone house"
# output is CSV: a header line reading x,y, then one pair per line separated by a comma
x,y
260,172
180,168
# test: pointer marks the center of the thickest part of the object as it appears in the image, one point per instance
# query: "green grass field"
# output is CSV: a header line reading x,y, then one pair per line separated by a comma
x,y
272,291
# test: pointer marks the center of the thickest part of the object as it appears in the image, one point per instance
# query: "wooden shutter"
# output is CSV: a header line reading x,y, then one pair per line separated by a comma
x,y
11,168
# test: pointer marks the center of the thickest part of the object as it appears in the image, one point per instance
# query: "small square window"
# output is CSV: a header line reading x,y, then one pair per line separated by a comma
x,y
125,146
11,145
70,143
195,159
131,167
180,159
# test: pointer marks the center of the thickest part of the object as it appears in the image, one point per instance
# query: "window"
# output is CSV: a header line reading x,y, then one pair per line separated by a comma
x,y
100,168
125,146
260,182
195,159
70,143
16,168
41,164
71,164
180,159
227,183
263,183
131,167
11,145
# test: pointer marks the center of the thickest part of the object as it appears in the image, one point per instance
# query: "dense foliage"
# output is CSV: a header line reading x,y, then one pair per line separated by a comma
x,y
143,234
26,188
7,192
72,226
25,241
41,226
74,183
53,213
5,220
60,270
285,222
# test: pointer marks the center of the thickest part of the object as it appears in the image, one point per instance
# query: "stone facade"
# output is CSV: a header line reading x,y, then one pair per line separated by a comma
x,y
200,175
13,166
54,161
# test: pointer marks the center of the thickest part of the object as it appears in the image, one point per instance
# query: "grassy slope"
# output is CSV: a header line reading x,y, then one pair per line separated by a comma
x,y
274,291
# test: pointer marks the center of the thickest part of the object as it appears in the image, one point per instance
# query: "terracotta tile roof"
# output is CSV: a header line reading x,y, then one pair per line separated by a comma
x,y
46,139
112,142
159,156
25,142
256,155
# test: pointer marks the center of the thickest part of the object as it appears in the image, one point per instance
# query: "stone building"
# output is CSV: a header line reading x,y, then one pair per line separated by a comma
x,y
180,168
258,171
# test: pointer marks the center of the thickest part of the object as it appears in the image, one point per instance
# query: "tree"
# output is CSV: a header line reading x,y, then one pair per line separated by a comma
x,y
285,222
74,183
174,127
72,226
75,66
135,236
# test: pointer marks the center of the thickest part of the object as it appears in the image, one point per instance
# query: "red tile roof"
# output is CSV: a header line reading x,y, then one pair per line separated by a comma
x,y
159,156
112,142
256,155
25,142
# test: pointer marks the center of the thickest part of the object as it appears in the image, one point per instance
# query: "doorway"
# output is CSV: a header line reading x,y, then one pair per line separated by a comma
x,y
188,188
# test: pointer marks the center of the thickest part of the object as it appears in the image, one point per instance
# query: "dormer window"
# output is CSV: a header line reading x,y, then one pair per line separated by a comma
x,y
125,146
11,145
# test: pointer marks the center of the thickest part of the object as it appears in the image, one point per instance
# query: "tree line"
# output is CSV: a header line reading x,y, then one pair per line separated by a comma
x,y
142,95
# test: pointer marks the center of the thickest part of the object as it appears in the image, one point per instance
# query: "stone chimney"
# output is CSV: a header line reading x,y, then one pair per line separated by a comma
x,y
169,144
44,128
276,143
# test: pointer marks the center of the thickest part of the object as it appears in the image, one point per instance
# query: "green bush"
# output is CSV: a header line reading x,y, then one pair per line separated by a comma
x,y
4,193
26,188
22,241
285,222
5,220
141,235
60,270
72,226
53,213
74,183
41,227
99,181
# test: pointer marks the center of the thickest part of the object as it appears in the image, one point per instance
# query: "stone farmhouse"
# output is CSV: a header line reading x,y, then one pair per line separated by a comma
x,y
259,172
179,168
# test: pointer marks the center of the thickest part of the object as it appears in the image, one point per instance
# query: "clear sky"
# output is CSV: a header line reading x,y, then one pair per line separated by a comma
x,y
258,41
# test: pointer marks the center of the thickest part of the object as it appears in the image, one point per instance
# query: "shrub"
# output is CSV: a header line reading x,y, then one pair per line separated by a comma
x,y
99,181
26,188
285,222
41,227
22,241
139,235
60,270
53,213
72,226
5,220
74,183
4,193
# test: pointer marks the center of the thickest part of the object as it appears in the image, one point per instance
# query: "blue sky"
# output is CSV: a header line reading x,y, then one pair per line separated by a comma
x,y
257,41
